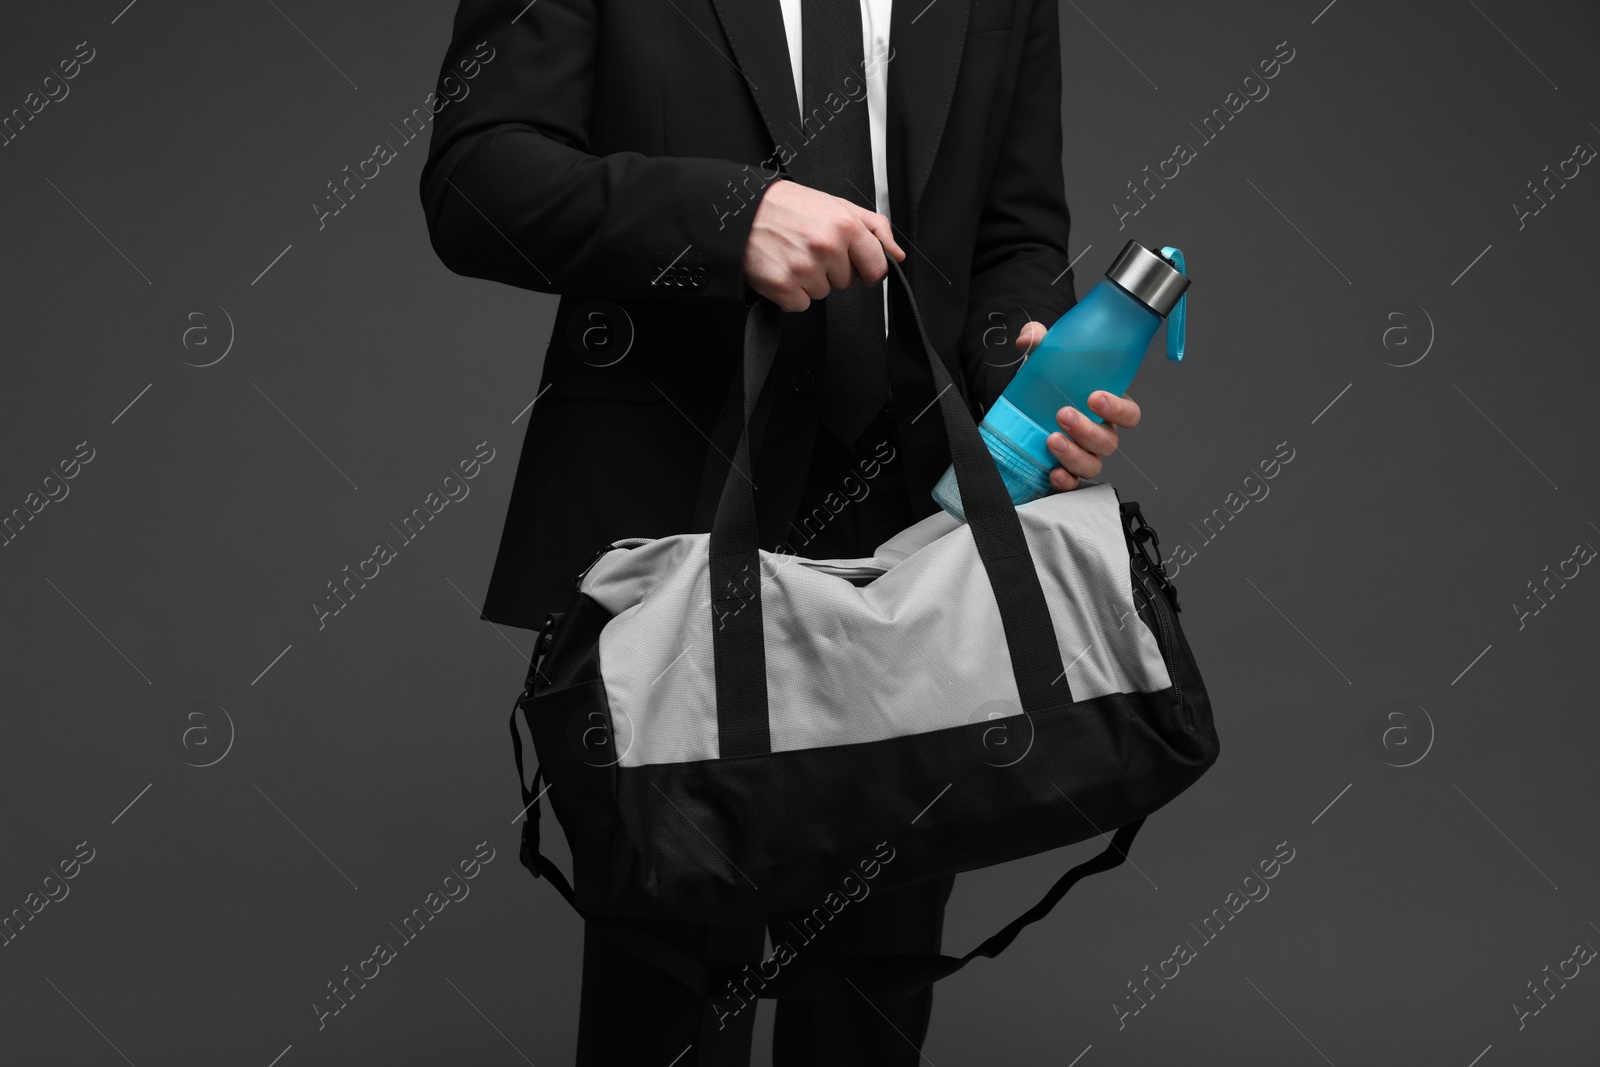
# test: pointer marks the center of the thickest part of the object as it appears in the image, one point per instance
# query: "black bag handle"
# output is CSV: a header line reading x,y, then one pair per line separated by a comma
x,y
735,562
839,979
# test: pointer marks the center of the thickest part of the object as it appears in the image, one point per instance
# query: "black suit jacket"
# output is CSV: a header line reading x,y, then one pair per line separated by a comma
x,y
614,152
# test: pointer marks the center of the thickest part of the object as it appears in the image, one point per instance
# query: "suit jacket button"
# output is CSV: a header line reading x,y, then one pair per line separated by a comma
x,y
802,381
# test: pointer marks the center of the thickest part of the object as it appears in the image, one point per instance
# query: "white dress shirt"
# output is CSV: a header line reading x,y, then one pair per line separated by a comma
x,y
874,42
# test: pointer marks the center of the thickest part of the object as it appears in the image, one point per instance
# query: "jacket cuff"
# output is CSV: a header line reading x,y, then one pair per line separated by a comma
x,y
736,192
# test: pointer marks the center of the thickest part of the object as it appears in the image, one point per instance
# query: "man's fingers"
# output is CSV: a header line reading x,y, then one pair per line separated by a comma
x,y
792,300
1096,437
1062,481
818,285
883,233
1118,410
1030,336
789,298
1073,456
839,271
866,254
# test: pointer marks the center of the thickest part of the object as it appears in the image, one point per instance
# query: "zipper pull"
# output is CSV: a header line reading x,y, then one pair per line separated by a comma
x,y
1142,532
547,638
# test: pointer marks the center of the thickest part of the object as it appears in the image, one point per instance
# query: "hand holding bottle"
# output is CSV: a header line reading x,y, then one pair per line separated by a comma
x,y
1083,362
1081,454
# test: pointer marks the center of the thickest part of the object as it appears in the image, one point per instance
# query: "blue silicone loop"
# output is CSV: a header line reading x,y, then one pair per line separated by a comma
x,y
1178,318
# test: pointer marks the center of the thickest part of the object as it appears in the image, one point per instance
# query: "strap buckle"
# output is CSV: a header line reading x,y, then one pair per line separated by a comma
x,y
1142,534
541,652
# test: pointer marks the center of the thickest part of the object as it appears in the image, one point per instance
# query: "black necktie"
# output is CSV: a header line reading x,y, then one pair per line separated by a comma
x,y
835,156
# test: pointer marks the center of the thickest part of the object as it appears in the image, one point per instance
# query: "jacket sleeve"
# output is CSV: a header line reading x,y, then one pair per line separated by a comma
x,y
512,193
1020,258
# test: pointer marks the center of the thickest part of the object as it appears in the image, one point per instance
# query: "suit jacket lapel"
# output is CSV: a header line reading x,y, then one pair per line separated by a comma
x,y
761,49
926,41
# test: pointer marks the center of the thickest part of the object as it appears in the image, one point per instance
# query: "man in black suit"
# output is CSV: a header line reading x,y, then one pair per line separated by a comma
x,y
651,162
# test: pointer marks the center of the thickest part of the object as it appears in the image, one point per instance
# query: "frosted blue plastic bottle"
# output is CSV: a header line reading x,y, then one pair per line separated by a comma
x,y
1098,344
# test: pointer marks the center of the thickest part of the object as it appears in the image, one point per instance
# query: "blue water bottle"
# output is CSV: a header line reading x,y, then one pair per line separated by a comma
x,y
1098,344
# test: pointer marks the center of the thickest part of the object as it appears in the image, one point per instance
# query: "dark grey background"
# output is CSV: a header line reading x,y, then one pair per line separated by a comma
x,y
1379,575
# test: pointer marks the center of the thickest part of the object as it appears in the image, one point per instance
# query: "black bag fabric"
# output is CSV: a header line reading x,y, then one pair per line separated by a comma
x,y
756,831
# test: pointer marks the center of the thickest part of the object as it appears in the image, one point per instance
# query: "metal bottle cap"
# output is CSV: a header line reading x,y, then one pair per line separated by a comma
x,y
1147,277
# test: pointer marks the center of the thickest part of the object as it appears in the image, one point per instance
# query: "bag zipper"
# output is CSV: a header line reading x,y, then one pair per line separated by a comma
x,y
626,542
1166,639
1152,571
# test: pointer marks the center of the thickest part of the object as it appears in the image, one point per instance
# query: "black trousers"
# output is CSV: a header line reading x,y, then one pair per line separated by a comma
x,y
633,1014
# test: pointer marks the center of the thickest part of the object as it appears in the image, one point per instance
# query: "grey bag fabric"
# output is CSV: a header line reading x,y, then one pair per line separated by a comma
x,y
918,648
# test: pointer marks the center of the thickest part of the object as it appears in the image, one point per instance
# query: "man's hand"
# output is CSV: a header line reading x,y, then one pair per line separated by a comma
x,y
1081,454
805,243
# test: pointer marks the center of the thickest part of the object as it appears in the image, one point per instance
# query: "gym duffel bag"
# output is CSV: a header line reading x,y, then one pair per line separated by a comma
x,y
728,732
